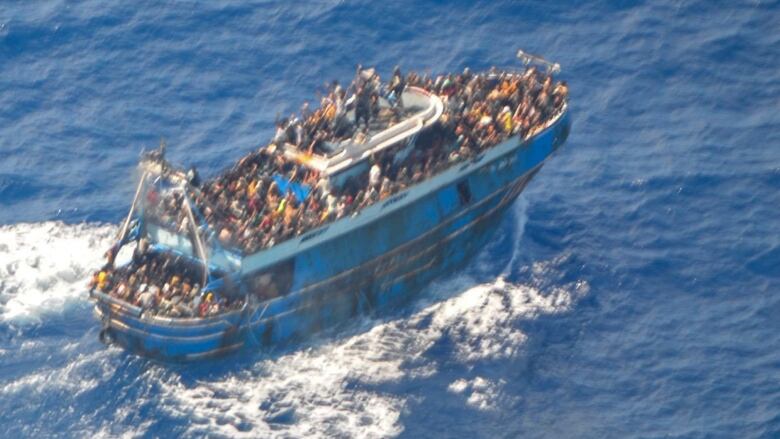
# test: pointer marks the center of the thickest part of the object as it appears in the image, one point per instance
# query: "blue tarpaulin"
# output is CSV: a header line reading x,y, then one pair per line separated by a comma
x,y
301,191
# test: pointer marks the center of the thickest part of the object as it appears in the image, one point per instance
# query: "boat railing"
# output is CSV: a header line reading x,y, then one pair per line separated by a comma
x,y
103,297
550,121
529,58
357,152
429,114
397,132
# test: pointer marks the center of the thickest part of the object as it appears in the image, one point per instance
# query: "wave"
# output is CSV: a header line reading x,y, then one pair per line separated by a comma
x,y
335,388
44,267
332,386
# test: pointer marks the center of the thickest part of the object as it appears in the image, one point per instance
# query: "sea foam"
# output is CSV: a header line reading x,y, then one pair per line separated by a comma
x,y
45,267
333,388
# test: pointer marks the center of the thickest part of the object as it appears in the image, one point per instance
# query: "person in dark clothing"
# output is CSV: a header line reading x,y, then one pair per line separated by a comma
x,y
397,85
193,177
362,106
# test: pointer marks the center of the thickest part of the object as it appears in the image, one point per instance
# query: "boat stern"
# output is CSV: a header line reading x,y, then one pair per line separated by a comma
x,y
166,339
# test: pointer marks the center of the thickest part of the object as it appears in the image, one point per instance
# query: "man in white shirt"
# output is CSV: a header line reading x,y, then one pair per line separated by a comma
x,y
374,175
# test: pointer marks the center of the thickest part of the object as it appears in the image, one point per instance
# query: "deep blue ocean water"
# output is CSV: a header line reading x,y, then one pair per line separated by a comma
x,y
632,291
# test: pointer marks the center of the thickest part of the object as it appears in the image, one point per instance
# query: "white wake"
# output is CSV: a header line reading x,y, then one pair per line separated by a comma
x,y
44,267
330,389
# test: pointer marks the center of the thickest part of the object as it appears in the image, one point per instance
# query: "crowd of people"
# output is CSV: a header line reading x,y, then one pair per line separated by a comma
x,y
314,131
161,284
246,209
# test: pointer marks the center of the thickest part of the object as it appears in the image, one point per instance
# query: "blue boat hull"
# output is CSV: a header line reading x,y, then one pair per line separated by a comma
x,y
371,268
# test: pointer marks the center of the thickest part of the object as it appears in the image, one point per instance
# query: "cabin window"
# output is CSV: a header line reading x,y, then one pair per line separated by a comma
x,y
464,192
274,281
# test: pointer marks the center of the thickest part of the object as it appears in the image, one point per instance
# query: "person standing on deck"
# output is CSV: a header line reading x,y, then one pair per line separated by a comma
x,y
374,174
397,85
362,106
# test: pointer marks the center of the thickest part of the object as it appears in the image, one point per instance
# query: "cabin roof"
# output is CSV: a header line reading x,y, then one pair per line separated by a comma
x,y
420,109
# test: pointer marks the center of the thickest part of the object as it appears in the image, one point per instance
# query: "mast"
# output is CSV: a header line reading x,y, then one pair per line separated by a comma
x,y
198,243
123,230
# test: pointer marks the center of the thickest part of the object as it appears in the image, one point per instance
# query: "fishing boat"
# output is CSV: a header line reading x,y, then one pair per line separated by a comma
x,y
362,259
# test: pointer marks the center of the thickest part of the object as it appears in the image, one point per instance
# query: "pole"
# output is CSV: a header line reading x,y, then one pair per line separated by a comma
x,y
123,231
198,243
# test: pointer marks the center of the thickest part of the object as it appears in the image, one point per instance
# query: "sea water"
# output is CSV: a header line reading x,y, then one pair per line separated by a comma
x,y
631,291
